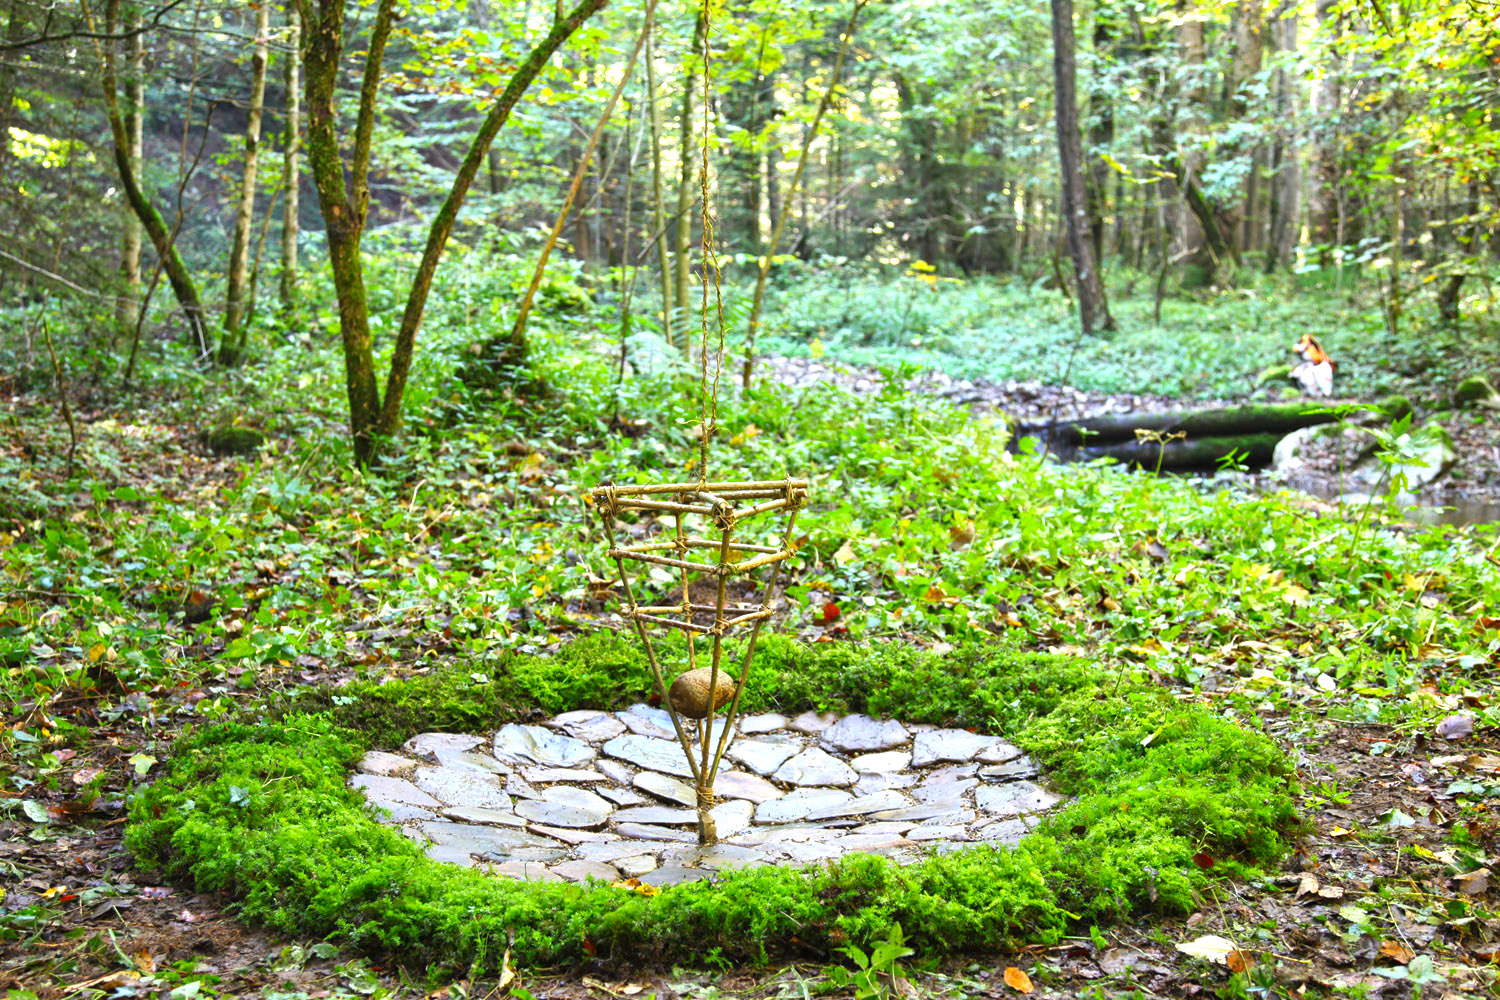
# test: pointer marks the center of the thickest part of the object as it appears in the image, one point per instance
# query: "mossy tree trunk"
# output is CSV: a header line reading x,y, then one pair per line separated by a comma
x,y
345,208
162,238
291,169
237,306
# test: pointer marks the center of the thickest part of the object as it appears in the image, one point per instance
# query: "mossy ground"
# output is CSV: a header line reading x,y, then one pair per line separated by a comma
x,y
261,811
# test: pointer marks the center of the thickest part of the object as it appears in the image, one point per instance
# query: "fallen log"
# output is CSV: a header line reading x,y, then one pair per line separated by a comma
x,y
1253,419
1254,450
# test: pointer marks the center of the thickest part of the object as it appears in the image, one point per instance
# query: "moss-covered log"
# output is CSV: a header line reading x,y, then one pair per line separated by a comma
x,y
1251,419
1194,453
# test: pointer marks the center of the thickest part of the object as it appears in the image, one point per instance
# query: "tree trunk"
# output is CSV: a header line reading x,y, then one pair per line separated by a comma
x,y
1092,305
1101,135
658,193
1258,418
232,346
1322,180
1254,450
1200,257
1285,184
178,275
682,239
442,223
128,305
812,131
291,166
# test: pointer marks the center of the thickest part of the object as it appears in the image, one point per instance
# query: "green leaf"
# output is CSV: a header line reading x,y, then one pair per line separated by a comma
x,y
35,811
142,762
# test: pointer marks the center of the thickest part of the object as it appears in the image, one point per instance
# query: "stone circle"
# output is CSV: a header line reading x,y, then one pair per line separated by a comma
x,y
601,796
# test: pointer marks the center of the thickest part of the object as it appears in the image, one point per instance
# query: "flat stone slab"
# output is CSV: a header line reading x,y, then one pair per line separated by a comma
x,y
650,753
957,745
769,723
815,766
763,756
430,743
882,763
539,745
665,787
454,786
387,765
564,805
1015,797
739,785
861,733
593,795
797,805
592,727
484,814
385,791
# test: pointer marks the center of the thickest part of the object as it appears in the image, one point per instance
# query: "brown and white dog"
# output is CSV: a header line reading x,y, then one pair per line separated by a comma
x,y
1315,373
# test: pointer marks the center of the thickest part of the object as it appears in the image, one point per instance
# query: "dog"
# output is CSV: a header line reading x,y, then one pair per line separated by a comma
x,y
1315,373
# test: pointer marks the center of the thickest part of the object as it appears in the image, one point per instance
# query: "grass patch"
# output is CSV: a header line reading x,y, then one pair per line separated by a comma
x,y
261,812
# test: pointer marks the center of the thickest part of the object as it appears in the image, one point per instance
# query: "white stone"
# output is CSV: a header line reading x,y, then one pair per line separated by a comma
x,y
387,765
580,871
767,723
861,733
733,817
879,802
739,785
796,805
563,805
430,743
539,745
882,763
457,787
667,788
812,723
483,814
765,755
815,767
957,745
654,754
384,791
591,726
1014,798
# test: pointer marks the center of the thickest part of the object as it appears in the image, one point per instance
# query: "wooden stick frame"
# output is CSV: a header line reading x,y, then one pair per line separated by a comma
x,y
715,502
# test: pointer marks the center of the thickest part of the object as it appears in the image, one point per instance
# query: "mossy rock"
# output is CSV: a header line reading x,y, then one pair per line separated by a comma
x,y
1273,373
235,440
1476,390
1394,407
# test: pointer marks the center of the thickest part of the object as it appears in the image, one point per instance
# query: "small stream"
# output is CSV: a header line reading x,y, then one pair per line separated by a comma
x,y
1418,509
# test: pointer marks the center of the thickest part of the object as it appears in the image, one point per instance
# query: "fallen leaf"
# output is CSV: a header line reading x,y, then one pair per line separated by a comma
x,y
1203,860
1472,883
1238,961
1396,951
1018,980
1306,885
506,972
830,613
1330,892
1455,727
1209,947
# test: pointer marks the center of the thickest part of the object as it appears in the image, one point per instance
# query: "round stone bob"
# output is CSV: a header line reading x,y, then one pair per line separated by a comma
x,y
689,692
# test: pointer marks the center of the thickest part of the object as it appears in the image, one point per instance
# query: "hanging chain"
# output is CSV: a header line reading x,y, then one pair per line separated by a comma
x,y
708,405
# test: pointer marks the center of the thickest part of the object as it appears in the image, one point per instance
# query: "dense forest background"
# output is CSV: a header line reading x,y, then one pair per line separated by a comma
x,y
207,179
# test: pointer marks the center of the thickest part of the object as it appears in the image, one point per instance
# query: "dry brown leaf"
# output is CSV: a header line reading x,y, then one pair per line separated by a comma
x,y
507,974
1473,883
1396,951
1238,961
1306,885
1018,980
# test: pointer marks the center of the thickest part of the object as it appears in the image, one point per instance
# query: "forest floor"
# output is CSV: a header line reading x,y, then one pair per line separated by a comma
x,y
1386,894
